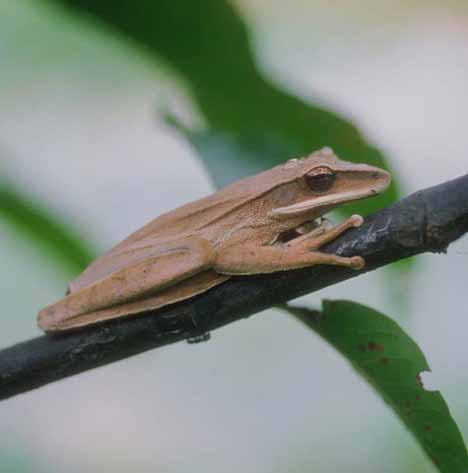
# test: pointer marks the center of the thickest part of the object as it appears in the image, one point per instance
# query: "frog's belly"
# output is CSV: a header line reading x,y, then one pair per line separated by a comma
x,y
183,290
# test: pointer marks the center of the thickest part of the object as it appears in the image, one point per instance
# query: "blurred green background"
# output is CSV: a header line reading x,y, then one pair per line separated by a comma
x,y
82,141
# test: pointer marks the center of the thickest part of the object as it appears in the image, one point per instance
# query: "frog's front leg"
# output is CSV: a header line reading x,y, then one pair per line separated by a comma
x,y
297,253
316,238
268,259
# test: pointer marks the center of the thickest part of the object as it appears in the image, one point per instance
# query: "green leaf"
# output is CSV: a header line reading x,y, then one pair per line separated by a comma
x,y
228,156
391,362
207,43
37,224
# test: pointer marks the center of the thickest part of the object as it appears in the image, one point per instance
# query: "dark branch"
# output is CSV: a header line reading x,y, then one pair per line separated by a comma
x,y
428,220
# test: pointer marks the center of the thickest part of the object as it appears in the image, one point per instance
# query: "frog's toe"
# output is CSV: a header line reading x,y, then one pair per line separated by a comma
x,y
356,262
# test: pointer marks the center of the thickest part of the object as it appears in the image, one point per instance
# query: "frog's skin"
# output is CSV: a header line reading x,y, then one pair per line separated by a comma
x,y
265,223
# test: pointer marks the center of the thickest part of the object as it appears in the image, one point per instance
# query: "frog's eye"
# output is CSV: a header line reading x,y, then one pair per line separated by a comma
x,y
320,179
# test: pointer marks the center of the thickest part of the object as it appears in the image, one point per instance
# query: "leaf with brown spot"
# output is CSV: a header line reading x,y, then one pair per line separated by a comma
x,y
362,335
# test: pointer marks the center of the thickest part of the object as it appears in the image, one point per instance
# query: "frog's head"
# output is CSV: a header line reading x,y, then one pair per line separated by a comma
x,y
320,182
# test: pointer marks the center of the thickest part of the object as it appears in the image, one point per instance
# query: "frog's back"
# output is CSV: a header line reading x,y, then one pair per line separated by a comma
x,y
198,218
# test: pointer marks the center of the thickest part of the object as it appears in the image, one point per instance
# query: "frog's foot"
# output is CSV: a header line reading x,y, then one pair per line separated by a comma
x,y
315,228
323,234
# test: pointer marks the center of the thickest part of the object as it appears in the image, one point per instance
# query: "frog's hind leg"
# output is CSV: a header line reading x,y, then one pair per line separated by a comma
x,y
138,280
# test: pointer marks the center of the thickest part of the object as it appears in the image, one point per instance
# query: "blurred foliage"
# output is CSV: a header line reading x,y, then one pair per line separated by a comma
x,y
207,43
35,222
391,362
13,461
